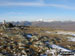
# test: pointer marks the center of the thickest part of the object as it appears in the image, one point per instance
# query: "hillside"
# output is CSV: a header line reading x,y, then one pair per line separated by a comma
x,y
65,25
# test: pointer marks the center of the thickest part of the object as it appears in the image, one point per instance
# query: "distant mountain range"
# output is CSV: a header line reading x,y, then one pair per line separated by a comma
x,y
65,25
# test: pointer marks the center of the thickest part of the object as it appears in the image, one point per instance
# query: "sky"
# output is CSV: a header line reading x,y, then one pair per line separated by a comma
x,y
32,10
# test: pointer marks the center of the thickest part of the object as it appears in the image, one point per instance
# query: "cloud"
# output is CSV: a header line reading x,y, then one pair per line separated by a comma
x,y
40,3
20,4
61,6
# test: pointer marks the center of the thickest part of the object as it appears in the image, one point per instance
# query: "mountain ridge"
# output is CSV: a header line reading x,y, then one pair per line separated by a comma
x,y
64,25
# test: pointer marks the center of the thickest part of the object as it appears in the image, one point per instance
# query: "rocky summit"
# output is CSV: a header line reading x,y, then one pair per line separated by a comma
x,y
31,41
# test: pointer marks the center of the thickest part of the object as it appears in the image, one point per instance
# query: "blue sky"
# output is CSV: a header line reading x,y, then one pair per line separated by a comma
x,y
31,10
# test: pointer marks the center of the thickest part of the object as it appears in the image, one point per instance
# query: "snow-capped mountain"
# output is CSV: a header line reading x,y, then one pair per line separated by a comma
x,y
46,20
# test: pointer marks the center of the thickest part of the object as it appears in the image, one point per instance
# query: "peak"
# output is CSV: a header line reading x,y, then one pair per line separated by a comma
x,y
48,20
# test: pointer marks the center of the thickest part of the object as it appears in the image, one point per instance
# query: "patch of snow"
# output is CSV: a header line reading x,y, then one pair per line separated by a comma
x,y
29,36
71,39
47,32
66,33
60,48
